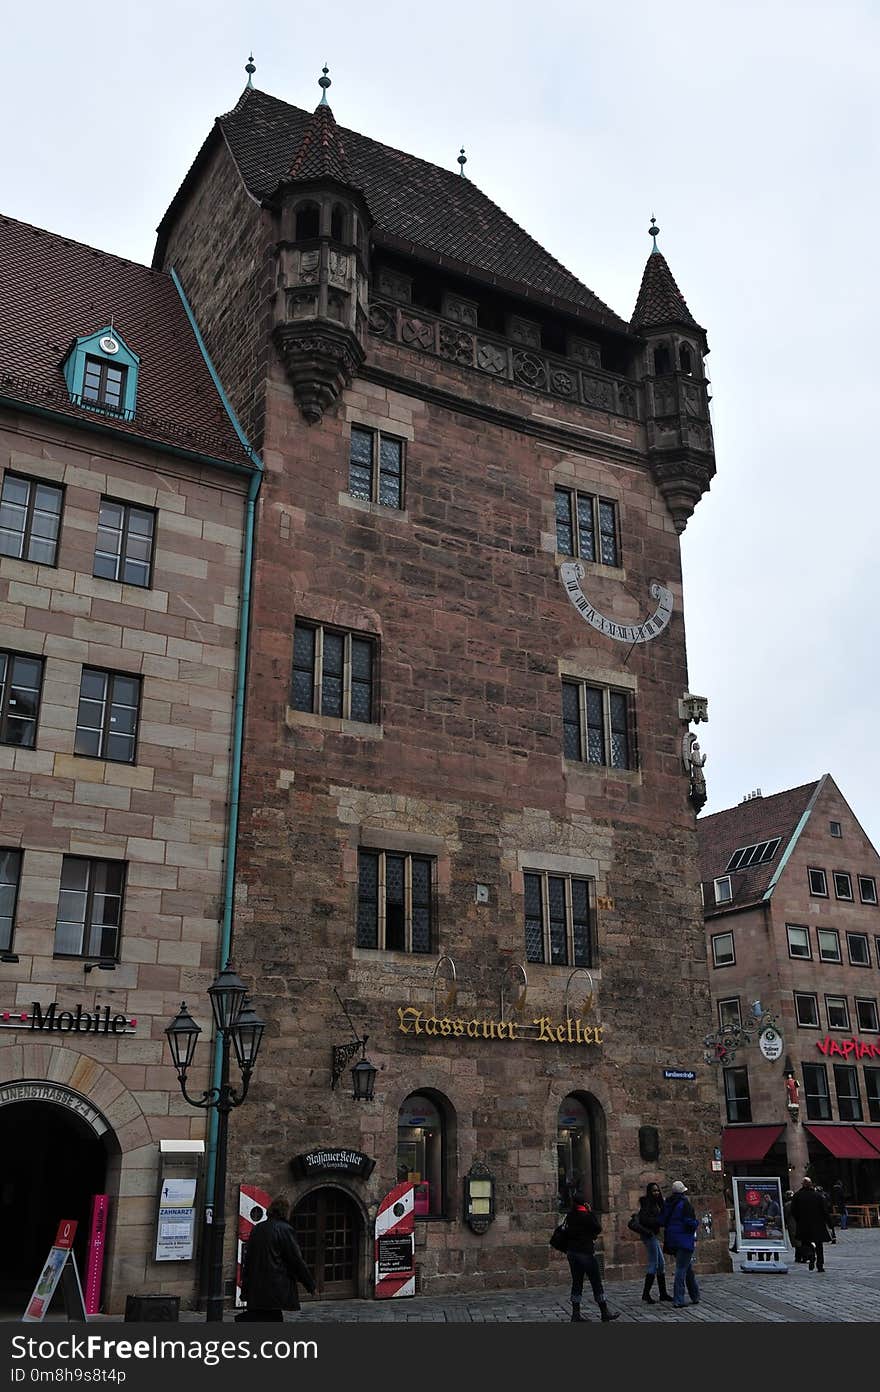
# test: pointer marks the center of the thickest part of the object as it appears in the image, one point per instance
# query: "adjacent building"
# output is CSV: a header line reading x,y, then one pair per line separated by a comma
x,y
123,488
793,924
467,842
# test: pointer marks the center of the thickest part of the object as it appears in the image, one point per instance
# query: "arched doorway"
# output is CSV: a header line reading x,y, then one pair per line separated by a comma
x,y
53,1164
328,1227
581,1150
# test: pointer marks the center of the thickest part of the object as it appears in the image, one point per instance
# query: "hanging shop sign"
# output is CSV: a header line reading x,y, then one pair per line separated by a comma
x,y
394,1244
770,1043
847,1048
346,1162
48,1019
542,1030
571,573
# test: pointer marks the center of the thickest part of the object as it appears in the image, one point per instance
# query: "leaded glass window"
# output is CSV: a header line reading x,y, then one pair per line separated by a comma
x,y
598,725
375,467
558,919
395,901
587,527
334,673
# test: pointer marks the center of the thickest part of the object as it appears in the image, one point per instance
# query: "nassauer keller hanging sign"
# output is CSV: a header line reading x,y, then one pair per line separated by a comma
x,y
541,1030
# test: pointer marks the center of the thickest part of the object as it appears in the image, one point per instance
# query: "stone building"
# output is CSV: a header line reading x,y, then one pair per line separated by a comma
x,y
123,488
467,828
793,940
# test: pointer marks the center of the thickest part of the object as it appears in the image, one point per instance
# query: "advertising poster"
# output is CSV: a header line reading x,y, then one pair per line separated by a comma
x,y
759,1217
60,1266
394,1244
176,1227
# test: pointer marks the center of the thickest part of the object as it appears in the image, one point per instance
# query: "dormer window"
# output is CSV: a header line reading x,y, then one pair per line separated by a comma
x,y
103,384
101,372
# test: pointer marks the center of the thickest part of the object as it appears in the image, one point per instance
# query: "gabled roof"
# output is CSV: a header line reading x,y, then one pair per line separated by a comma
x,y
758,819
322,153
54,290
419,208
660,302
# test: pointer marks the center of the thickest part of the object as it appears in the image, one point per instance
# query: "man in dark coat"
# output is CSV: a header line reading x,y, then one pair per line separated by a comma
x,y
271,1265
809,1213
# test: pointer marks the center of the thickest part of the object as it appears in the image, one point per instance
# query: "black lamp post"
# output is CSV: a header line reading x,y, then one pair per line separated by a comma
x,y
237,1023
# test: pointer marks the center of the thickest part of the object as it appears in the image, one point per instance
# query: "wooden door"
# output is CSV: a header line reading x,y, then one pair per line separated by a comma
x,y
327,1225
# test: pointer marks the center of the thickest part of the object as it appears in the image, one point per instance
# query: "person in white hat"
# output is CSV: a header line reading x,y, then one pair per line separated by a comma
x,y
680,1226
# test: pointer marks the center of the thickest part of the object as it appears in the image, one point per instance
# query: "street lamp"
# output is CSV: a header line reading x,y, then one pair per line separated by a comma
x,y
237,1023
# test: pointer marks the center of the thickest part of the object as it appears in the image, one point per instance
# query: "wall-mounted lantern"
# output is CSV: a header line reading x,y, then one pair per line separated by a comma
x,y
479,1197
363,1074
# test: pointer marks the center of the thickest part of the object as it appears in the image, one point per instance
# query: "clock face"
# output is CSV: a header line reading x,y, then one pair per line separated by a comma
x,y
108,344
571,573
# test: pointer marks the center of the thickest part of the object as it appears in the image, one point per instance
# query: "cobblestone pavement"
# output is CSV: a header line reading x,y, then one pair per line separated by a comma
x,y
848,1292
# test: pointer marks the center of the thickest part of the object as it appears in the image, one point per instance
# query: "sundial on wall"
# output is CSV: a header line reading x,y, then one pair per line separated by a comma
x,y
571,573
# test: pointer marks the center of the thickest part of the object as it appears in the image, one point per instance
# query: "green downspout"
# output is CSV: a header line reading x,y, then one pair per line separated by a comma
x,y
244,614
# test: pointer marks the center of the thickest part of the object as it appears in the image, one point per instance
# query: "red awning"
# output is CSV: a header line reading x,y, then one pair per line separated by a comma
x,y
871,1135
748,1142
844,1142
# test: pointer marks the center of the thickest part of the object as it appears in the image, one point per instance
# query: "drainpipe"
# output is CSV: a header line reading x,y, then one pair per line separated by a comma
x,y
244,614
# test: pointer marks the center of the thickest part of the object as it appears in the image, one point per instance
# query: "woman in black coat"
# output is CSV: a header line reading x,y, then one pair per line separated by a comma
x,y
271,1265
582,1227
650,1209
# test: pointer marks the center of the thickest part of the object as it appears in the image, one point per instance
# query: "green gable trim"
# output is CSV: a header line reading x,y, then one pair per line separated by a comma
x,y
92,346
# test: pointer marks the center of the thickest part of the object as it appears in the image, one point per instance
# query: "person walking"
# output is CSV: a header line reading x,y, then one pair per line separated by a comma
x,y
838,1199
650,1209
791,1226
808,1211
829,1212
271,1266
583,1227
679,1223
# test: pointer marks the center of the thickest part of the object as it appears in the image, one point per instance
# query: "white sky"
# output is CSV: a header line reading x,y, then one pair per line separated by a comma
x,y
750,129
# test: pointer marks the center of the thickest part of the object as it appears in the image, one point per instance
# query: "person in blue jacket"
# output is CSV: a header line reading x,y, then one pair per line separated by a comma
x,y
679,1223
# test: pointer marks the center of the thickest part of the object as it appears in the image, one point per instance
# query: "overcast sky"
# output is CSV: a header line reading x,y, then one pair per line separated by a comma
x,y
751,130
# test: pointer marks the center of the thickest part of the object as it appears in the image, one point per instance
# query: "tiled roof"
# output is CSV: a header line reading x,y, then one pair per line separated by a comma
x,y
660,301
322,153
415,204
54,290
758,819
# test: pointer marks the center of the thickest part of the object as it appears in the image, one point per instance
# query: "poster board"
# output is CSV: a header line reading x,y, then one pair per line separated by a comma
x,y
59,1268
394,1244
176,1221
759,1223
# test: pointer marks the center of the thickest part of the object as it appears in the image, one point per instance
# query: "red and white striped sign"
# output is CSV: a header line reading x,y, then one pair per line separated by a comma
x,y
252,1205
394,1246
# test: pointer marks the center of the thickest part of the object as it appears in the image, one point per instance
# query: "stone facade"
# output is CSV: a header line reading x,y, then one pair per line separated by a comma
x,y
163,816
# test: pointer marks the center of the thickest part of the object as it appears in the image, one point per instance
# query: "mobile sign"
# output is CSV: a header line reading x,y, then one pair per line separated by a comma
x,y
760,1223
60,1266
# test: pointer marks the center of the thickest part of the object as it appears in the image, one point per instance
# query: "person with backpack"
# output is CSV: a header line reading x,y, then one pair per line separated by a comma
x,y
679,1223
648,1229
582,1228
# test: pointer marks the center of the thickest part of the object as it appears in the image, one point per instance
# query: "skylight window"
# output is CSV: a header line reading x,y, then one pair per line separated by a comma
x,y
757,854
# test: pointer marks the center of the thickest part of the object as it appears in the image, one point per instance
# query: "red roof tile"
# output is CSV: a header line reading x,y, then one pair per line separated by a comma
x,y
758,819
415,204
322,153
660,301
54,290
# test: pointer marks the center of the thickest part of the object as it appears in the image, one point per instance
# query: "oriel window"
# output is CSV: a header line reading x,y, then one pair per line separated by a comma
x,y
333,672
395,901
375,467
30,519
587,527
107,719
124,549
558,919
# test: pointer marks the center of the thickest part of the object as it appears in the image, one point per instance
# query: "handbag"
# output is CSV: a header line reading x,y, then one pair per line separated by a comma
x,y
634,1225
559,1237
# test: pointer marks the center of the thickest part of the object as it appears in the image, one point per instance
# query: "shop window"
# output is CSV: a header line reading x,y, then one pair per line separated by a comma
x,y
422,1125
729,1012
124,547
872,1092
818,883
89,908
723,954
867,889
837,1011
598,725
806,1009
30,519
587,527
866,1014
858,950
10,874
818,1099
21,684
581,1151
842,885
333,672
559,919
395,901
798,940
736,1094
829,944
846,1085
375,467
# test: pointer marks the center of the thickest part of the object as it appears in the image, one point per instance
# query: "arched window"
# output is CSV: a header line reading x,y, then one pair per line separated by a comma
x,y
662,360
308,222
337,223
424,1123
685,358
581,1150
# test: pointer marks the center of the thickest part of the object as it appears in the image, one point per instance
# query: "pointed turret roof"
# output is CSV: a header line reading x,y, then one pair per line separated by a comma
x,y
321,154
660,301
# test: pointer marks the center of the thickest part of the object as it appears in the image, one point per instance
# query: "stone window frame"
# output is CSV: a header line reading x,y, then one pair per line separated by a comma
x,y
813,1023
607,691
93,863
568,880
345,720
575,495
382,850
725,1023
377,437
563,865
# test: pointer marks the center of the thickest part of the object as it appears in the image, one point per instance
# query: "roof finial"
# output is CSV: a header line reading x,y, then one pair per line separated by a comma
x,y
324,83
653,231
462,161
250,68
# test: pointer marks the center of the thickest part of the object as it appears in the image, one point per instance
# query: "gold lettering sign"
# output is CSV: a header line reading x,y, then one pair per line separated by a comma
x,y
543,1029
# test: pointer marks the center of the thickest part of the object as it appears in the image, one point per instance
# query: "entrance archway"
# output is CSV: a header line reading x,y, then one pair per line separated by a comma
x,y
53,1164
328,1228
581,1149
